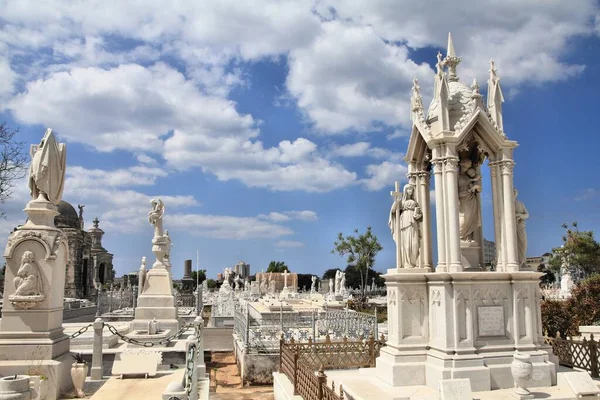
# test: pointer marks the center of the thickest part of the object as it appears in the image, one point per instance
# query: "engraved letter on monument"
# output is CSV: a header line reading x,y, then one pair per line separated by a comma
x,y
490,320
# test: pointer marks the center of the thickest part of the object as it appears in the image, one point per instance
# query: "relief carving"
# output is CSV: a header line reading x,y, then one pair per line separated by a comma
x,y
28,284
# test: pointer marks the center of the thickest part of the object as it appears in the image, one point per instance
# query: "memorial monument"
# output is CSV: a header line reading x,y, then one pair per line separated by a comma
x,y
36,257
156,299
460,321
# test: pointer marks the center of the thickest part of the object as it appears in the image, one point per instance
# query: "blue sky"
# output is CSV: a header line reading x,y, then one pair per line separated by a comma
x,y
268,127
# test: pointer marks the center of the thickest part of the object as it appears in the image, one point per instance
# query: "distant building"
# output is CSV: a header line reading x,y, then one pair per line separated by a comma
x,y
242,270
539,262
219,276
489,252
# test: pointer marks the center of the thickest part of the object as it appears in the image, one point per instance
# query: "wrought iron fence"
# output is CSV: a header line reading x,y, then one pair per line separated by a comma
x,y
261,334
299,361
185,299
573,353
112,300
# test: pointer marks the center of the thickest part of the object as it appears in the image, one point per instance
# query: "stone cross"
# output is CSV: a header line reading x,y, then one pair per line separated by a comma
x,y
285,274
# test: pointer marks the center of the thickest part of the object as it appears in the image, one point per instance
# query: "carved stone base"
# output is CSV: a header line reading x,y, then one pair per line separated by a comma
x,y
26,302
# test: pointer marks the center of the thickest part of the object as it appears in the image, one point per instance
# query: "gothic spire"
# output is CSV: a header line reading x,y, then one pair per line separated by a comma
x,y
451,60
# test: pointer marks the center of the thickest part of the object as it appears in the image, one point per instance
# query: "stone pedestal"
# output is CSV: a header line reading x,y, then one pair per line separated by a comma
x,y
31,330
156,299
463,325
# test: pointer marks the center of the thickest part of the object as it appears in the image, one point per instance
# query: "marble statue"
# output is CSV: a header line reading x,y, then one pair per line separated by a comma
x,y
47,169
343,283
153,327
272,285
406,228
226,274
155,217
142,274
236,283
263,286
338,281
469,187
522,215
167,245
80,206
28,281
313,284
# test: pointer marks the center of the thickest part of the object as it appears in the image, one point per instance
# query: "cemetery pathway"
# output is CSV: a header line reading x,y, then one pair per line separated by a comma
x,y
136,388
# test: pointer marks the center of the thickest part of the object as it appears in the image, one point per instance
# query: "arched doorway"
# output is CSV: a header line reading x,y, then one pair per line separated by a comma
x,y
101,273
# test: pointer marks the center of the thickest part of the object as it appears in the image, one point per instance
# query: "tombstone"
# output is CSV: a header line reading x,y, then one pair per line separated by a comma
x,y
581,384
36,256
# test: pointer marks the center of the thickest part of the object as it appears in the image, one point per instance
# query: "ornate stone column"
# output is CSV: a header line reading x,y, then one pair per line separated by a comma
x,y
423,190
510,222
453,233
438,169
498,220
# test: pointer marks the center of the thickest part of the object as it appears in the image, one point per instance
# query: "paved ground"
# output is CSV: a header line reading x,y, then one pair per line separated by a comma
x,y
226,383
218,339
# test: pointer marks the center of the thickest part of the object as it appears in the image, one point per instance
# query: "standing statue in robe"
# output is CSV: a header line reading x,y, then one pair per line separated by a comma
x,y
28,281
469,187
522,215
343,284
142,275
313,283
338,281
406,228
47,169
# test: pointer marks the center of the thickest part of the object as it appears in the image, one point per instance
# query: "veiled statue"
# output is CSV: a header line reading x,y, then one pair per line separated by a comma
x,y
28,281
155,217
521,215
405,215
47,169
469,187
142,274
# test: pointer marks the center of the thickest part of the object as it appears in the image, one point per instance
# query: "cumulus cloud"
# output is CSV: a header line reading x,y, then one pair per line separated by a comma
x,y
350,78
384,174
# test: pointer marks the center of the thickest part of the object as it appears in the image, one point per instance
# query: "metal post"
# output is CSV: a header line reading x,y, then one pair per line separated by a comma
x,y
322,382
96,372
593,345
346,322
199,304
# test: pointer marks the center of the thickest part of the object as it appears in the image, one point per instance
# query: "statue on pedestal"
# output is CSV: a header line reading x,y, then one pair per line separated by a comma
x,y
47,169
521,215
312,285
142,274
405,215
343,284
338,281
469,187
155,217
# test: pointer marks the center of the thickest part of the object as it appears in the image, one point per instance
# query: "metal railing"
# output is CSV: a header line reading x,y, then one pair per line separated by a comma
x,y
299,361
574,353
261,335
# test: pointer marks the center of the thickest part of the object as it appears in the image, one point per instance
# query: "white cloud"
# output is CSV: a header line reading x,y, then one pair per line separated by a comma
x,y
7,77
289,244
364,149
304,215
350,78
384,174
587,194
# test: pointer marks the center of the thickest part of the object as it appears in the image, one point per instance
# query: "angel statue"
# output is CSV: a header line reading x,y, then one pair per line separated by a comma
x,y
155,217
47,169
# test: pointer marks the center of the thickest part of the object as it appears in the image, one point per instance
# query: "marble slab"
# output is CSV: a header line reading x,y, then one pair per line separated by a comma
x,y
137,362
582,384
455,389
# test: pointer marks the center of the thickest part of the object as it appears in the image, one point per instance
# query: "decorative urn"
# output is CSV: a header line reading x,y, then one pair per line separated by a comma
x,y
522,372
79,372
15,387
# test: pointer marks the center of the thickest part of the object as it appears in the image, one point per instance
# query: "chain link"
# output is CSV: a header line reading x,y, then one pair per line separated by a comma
x,y
164,341
81,331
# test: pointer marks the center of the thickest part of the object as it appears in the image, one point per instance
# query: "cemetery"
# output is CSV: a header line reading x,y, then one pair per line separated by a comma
x,y
452,328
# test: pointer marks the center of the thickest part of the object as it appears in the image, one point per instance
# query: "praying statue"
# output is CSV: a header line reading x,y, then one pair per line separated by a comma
x,y
28,281
312,285
522,215
406,228
47,169
469,187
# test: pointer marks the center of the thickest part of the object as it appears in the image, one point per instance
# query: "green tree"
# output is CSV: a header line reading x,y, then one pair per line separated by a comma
x,y
580,252
329,274
200,275
13,162
211,283
360,251
277,266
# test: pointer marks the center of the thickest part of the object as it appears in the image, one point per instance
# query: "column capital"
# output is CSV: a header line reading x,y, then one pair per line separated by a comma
x,y
451,164
507,167
438,165
423,177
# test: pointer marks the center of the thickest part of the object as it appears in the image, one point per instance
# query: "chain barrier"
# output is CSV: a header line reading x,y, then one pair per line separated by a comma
x,y
81,331
164,341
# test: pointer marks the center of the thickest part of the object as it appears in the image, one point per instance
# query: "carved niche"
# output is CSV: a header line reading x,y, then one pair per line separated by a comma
x,y
413,311
29,290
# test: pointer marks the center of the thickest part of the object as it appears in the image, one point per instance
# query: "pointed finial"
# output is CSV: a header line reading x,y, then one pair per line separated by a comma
x,y
450,52
493,76
451,60
475,86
